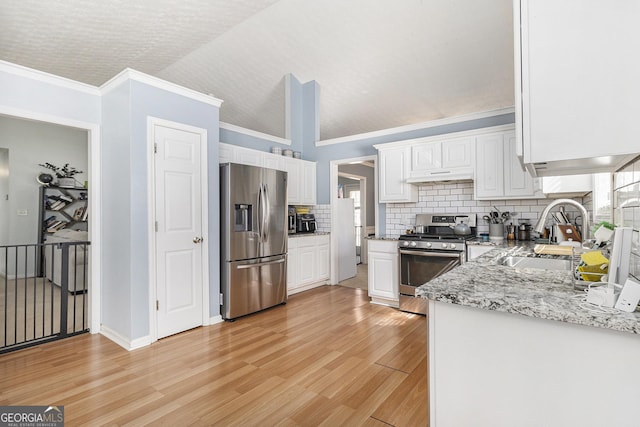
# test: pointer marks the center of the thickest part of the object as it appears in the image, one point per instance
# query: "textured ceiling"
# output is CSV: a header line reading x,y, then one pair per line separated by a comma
x,y
379,64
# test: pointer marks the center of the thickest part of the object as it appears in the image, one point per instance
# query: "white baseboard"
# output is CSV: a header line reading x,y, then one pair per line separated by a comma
x,y
215,319
308,286
123,342
385,301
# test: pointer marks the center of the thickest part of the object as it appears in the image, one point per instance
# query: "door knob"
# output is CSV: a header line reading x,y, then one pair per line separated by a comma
x,y
197,239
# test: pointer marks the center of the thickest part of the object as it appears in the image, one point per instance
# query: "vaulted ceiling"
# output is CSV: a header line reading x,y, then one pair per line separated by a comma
x,y
379,64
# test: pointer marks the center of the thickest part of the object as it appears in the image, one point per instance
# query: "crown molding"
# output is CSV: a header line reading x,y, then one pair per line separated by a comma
x,y
418,126
48,78
130,74
253,133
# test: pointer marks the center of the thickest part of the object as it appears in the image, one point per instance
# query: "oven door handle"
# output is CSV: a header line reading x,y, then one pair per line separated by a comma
x,y
432,254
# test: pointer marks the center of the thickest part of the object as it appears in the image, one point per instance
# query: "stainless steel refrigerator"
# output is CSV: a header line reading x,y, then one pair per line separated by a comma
x,y
253,217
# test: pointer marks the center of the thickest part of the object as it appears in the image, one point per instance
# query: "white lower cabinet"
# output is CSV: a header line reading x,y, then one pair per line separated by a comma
x,y
383,269
307,262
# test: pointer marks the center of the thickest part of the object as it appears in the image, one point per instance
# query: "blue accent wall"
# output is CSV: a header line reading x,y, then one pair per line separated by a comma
x,y
126,256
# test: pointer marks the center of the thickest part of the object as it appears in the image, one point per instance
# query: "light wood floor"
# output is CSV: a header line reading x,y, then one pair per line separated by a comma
x,y
327,357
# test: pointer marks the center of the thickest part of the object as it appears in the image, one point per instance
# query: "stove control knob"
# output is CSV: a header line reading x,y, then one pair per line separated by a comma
x,y
452,246
413,244
444,246
428,244
405,243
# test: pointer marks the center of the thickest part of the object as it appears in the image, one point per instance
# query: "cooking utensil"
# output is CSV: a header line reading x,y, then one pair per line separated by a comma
x,y
486,218
461,229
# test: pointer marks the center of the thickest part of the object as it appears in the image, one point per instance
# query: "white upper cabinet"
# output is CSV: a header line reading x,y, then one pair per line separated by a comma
x,y
426,157
498,173
457,153
394,165
577,85
438,160
301,184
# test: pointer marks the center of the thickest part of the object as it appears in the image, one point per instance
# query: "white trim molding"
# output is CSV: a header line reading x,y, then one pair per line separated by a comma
x,y
41,76
417,126
95,186
124,342
254,133
130,74
152,122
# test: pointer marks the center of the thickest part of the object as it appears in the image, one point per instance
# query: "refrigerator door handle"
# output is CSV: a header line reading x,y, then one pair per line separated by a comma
x,y
262,213
260,264
267,213
260,220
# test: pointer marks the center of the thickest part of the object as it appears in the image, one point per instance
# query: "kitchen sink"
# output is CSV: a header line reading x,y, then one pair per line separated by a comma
x,y
533,262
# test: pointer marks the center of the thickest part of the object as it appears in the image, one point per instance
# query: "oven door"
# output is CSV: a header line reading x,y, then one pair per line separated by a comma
x,y
418,267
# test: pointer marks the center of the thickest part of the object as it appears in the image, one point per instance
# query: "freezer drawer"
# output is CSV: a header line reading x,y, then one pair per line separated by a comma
x,y
253,285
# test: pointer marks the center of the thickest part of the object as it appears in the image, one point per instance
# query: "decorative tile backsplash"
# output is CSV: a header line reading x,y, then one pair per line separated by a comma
x,y
323,217
626,204
457,197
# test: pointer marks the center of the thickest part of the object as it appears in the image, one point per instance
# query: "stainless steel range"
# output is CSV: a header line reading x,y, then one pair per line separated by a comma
x,y
427,255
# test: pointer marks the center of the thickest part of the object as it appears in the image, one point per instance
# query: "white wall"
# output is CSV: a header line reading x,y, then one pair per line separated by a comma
x,y
30,143
4,195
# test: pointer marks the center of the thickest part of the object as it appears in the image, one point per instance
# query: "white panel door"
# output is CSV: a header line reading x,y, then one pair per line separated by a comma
x,y
457,153
346,240
517,181
489,180
179,287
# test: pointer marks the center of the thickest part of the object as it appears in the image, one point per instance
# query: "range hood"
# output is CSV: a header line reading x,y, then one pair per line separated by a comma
x,y
456,174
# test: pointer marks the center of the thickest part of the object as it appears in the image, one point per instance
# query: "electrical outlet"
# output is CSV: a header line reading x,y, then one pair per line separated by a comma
x,y
22,212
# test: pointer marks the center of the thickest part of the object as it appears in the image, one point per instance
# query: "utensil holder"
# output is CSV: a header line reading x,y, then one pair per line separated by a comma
x,y
496,232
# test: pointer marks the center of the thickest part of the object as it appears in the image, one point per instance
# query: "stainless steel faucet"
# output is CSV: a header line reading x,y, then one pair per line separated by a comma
x,y
543,217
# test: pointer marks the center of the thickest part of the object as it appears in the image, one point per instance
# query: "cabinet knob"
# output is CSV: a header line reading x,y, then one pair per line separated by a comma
x,y
197,239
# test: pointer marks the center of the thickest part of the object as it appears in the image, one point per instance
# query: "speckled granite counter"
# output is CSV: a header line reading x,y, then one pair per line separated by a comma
x,y
545,294
316,233
387,237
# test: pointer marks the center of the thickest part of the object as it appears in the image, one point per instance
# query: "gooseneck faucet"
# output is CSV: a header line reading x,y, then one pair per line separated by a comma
x,y
543,217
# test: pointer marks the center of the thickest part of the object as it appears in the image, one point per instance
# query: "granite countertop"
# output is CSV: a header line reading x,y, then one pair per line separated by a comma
x,y
386,237
545,294
315,233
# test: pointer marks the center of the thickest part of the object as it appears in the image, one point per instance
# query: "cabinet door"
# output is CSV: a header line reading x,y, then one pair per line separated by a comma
x,y
517,181
383,269
489,180
225,153
457,153
393,172
246,156
579,68
308,185
273,161
425,157
292,166
292,265
323,263
306,263
383,275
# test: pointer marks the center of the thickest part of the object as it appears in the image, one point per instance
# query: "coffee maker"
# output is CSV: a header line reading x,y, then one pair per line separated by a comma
x,y
292,220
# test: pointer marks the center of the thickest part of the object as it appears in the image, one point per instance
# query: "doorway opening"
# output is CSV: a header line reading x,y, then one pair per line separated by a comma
x,y
45,267
353,218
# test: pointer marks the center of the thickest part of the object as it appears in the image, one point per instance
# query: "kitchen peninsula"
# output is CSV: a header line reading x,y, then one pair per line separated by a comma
x,y
511,346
